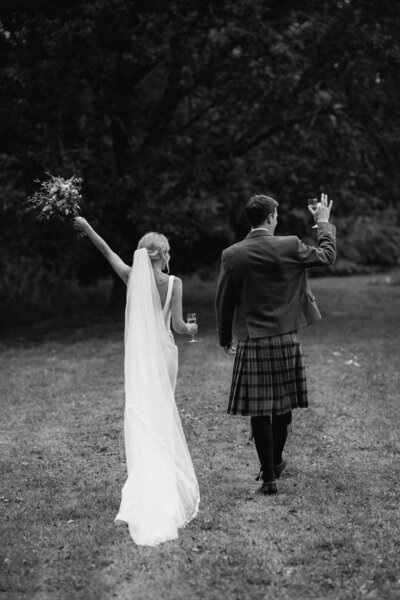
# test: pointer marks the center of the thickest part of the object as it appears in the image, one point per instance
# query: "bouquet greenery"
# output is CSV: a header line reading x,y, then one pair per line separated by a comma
x,y
57,197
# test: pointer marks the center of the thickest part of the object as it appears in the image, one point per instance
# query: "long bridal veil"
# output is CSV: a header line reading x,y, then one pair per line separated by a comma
x,y
161,492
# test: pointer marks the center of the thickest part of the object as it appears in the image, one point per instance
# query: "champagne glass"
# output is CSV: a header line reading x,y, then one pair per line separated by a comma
x,y
313,202
191,318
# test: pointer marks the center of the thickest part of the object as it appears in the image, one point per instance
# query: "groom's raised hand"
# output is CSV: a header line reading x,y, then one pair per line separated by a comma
x,y
322,211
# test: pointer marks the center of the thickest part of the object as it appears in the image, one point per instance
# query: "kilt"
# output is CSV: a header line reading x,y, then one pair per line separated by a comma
x,y
269,376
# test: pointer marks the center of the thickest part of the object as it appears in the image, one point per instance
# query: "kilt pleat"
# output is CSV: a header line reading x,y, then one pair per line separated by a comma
x,y
269,376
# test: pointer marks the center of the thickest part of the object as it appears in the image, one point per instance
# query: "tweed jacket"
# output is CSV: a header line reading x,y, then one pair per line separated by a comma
x,y
263,284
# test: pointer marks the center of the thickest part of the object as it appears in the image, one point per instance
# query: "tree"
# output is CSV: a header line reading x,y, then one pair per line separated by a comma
x,y
174,113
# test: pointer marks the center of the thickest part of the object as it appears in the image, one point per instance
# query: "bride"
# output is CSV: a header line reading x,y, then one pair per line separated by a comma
x,y
161,492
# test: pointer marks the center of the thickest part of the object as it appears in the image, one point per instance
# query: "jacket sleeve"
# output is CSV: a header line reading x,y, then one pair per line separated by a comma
x,y
225,303
325,253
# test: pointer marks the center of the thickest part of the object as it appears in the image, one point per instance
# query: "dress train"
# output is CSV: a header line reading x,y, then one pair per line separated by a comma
x,y
161,493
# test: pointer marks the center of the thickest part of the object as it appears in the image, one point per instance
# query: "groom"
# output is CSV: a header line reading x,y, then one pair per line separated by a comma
x,y
263,284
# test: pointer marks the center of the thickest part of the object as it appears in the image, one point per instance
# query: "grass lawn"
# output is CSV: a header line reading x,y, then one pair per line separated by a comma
x,y
331,533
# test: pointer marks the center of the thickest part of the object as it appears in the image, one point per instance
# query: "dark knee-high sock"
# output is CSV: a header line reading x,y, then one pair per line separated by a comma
x,y
280,432
263,438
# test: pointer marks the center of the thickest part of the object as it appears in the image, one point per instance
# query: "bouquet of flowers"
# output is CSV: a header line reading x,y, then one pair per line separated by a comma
x,y
57,197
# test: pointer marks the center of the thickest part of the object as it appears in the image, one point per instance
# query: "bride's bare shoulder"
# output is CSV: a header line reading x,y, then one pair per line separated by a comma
x,y
177,288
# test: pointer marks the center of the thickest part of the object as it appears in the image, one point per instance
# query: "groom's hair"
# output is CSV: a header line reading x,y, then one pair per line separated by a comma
x,y
258,208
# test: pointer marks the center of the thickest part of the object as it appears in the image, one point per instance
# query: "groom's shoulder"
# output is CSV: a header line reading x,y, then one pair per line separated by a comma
x,y
286,239
243,244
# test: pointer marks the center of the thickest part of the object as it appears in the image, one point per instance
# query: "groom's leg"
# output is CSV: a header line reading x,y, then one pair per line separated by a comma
x,y
280,424
263,438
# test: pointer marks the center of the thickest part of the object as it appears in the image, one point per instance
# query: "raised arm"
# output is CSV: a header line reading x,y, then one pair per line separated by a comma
x,y
121,269
178,323
325,253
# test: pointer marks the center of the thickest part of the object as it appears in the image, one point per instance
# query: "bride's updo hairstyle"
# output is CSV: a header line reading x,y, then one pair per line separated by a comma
x,y
157,247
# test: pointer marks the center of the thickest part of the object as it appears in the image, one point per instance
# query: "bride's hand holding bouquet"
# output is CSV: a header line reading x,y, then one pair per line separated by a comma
x,y
82,225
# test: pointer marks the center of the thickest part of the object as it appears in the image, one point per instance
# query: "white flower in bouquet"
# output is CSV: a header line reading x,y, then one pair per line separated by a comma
x,y
57,197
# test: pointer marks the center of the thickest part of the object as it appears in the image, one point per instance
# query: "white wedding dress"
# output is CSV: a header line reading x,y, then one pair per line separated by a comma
x,y
161,492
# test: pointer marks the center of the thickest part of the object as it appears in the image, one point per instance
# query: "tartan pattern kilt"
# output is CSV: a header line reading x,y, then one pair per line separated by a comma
x,y
269,376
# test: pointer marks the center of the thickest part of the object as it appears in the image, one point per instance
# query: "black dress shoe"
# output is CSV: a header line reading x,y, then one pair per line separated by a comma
x,y
268,488
278,469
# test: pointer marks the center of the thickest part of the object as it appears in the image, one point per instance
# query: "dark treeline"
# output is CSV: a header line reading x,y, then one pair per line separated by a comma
x,y
175,112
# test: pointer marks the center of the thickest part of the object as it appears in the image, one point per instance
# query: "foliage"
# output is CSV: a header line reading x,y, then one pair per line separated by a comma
x,y
174,113
372,240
